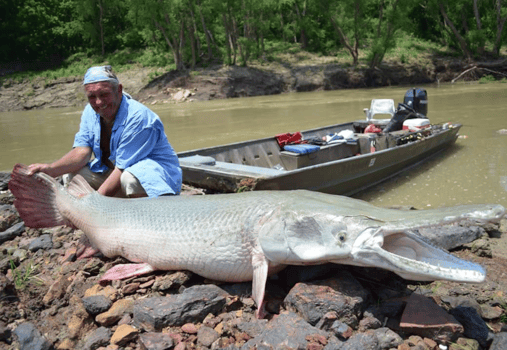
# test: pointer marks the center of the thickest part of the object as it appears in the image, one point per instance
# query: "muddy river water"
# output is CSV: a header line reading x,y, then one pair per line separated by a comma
x,y
473,171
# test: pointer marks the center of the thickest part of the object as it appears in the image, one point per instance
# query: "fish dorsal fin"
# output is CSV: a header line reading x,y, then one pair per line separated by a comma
x,y
79,187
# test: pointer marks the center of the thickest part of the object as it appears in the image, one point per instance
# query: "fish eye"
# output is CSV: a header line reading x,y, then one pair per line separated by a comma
x,y
342,236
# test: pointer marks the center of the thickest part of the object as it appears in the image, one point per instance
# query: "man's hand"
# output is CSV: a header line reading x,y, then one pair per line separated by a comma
x,y
69,163
40,167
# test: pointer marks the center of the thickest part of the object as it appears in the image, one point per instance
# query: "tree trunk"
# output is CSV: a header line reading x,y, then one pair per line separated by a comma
x,y
173,46
461,40
207,36
378,56
231,48
302,39
192,30
282,26
500,22
345,42
193,41
101,17
480,47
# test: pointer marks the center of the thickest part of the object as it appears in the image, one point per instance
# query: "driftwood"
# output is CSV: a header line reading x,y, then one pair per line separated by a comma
x,y
486,67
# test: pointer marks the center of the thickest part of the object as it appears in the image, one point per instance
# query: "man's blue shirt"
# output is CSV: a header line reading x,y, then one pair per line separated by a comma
x,y
138,145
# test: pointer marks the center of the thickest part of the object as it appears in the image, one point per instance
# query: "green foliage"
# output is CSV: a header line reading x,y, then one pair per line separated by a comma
x,y
23,278
40,34
487,79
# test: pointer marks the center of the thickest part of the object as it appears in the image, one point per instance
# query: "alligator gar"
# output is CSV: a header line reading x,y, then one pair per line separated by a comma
x,y
247,236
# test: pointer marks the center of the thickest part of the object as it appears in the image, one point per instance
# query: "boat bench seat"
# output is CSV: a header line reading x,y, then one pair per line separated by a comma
x,y
211,164
328,153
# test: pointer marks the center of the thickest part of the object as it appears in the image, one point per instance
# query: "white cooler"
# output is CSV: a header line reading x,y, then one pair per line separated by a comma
x,y
416,124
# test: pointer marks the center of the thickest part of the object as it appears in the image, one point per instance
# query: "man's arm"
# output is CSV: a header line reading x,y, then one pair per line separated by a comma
x,y
112,184
69,163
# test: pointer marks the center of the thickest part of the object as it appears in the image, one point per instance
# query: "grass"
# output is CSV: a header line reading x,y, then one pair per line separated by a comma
x,y
77,64
23,278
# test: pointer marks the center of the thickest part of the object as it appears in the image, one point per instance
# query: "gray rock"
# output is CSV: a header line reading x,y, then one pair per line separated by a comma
x,y
287,331
462,301
96,304
30,338
4,180
43,242
450,237
193,305
333,343
474,325
387,338
342,294
7,289
390,308
330,323
156,341
481,247
99,337
206,336
363,341
12,232
499,342
369,321
253,328
171,281
8,216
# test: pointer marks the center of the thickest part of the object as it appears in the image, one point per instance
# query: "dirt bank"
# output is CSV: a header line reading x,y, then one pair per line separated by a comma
x,y
218,82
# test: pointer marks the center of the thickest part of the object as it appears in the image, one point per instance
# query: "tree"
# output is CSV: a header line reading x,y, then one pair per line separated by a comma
x,y
387,22
461,40
501,17
164,18
348,21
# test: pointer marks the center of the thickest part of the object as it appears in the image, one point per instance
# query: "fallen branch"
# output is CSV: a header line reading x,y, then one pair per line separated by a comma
x,y
494,72
463,73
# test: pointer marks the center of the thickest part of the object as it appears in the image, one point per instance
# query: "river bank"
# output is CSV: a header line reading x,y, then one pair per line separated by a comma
x,y
263,78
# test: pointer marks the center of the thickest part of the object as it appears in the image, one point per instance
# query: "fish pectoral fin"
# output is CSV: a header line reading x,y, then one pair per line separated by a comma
x,y
123,271
260,275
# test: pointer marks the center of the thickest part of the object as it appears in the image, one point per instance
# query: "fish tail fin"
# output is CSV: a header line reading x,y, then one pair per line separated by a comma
x,y
36,198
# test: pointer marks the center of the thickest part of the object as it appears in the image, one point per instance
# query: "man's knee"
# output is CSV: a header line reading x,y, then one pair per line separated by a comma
x,y
131,186
94,179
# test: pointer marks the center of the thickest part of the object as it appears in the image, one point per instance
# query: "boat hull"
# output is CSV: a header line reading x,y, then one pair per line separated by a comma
x,y
344,176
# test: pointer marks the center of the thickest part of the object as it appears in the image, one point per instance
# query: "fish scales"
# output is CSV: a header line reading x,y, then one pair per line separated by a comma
x,y
214,238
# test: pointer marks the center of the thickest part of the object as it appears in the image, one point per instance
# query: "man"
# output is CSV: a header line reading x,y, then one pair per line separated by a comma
x,y
133,157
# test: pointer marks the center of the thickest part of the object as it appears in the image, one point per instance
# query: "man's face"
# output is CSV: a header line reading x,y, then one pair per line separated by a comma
x,y
104,99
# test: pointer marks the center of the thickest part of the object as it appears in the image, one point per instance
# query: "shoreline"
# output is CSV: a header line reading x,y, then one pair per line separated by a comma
x,y
221,82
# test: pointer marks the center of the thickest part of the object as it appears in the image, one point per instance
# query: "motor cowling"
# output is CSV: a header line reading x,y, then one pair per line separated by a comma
x,y
417,99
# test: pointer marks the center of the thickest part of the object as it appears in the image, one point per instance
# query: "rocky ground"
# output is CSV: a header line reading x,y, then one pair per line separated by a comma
x,y
51,300
263,78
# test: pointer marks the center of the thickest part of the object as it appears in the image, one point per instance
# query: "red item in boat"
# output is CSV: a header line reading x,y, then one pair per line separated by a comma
x,y
288,138
372,128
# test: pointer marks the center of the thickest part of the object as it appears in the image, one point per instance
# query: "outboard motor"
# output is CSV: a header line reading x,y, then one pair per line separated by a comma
x,y
415,105
417,99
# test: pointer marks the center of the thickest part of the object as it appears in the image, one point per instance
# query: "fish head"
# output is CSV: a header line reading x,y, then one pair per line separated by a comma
x,y
294,238
312,238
